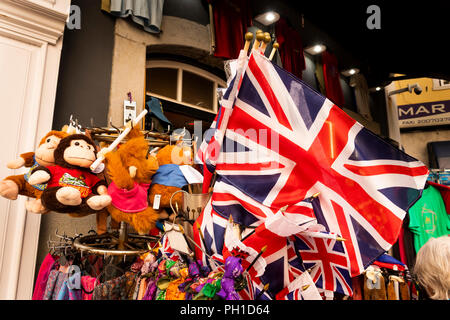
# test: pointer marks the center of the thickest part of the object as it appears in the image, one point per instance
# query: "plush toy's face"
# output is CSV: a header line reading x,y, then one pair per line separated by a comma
x,y
44,153
80,153
174,154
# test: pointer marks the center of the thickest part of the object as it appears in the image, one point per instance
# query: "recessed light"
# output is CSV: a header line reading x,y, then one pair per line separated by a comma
x,y
316,49
268,18
350,72
378,88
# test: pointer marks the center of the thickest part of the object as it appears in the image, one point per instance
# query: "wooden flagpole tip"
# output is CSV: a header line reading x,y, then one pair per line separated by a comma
x,y
259,38
248,40
275,46
267,37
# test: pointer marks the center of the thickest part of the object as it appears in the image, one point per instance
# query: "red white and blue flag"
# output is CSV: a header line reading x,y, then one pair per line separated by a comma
x,y
282,142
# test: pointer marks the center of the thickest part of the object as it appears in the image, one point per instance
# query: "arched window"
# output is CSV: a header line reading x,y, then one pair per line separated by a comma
x,y
184,84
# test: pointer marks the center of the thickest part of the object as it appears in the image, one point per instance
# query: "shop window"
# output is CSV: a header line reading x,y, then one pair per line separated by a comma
x,y
162,80
183,84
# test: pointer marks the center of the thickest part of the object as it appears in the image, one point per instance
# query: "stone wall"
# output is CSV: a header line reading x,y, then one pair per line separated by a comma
x,y
131,46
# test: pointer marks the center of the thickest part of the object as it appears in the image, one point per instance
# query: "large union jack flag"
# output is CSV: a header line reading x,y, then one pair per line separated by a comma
x,y
277,142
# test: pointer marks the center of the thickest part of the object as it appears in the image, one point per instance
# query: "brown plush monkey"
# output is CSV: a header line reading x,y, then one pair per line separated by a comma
x,y
71,187
13,186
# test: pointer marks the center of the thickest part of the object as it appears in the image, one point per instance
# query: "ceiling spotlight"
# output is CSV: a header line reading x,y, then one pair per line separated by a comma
x,y
350,72
268,18
378,88
316,49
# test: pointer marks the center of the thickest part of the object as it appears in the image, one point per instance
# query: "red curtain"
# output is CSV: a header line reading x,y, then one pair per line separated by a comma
x,y
331,78
231,19
291,48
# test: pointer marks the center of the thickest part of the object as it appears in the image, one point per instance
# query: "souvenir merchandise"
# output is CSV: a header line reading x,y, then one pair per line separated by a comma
x,y
71,186
253,212
169,178
130,169
13,186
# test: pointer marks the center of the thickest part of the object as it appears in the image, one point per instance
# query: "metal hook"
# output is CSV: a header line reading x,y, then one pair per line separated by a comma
x,y
113,126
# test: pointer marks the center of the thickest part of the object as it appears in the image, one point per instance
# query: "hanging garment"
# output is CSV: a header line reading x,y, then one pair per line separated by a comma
x,y
142,288
88,283
120,288
67,291
445,193
319,77
147,13
357,285
428,217
332,78
154,107
408,252
151,290
169,175
358,81
134,200
27,175
291,48
41,282
55,282
231,19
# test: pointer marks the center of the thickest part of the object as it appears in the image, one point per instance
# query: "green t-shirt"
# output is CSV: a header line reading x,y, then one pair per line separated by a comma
x,y
428,217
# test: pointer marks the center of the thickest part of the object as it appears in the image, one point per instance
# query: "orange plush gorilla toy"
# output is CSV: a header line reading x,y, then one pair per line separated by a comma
x,y
130,169
13,186
71,186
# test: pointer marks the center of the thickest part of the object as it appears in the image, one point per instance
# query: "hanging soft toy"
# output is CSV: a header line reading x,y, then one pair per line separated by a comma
x,y
71,186
169,178
130,169
13,186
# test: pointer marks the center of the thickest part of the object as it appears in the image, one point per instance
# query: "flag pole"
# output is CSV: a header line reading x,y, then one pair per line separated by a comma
x,y
263,249
259,38
274,49
248,40
265,42
266,287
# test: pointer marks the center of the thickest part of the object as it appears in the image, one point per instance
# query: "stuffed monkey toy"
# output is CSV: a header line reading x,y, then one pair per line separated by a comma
x,y
13,186
71,187
130,169
169,178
